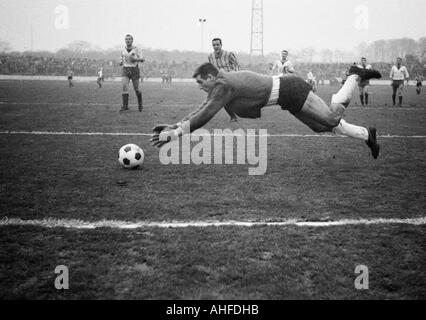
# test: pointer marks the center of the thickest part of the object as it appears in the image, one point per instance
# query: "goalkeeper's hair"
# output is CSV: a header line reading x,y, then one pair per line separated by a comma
x,y
205,69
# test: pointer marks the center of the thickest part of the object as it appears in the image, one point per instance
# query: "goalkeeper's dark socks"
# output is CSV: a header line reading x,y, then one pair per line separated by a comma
x,y
361,97
366,98
393,99
139,95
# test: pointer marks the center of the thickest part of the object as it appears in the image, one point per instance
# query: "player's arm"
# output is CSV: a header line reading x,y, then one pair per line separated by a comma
x,y
140,57
289,68
193,113
121,60
275,68
407,76
233,62
391,74
163,134
137,57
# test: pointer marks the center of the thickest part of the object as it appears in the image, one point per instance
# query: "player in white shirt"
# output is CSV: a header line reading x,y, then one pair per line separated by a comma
x,y
70,75
399,74
312,80
283,67
100,77
130,58
363,85
419,83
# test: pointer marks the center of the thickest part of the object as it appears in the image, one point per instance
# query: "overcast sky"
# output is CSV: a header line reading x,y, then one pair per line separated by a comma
x,y
172,24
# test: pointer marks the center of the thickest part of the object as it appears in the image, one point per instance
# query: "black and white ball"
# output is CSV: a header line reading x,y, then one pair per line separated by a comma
x,y
131,156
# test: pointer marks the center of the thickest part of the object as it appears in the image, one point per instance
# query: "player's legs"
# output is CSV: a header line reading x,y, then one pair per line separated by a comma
x,y
394,90
344,95
366,94
138,91
361,94
317,115
320,117
125,80
400,92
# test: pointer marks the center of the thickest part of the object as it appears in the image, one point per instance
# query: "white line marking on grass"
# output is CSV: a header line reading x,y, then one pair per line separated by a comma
x,y
179,105
116,224
74,104
282,135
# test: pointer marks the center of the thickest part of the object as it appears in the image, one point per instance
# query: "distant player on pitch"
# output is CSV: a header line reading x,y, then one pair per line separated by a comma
x,y
310,78
70,75
419,84
283,66
100,77
246,93
130,58
399,74
363,85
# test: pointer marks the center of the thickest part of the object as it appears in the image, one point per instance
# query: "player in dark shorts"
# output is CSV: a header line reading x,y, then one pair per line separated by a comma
x,y
70,75
130,59
419,84
399,74
246,93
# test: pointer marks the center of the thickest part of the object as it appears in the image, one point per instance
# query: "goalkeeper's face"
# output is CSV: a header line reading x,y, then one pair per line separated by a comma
x,y
206,84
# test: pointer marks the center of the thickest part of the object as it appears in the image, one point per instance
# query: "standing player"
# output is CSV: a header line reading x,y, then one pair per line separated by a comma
x,y
224,61
283,66
100,77
363,85
221,59
312,81
399,74
130,58
419,83
70,75
246,93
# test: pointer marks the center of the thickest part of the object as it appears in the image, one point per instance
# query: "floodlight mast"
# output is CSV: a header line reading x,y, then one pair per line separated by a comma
x,y
256,42
202,21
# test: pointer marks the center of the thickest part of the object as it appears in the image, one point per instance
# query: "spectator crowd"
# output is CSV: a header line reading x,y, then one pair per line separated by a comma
x,y
32,65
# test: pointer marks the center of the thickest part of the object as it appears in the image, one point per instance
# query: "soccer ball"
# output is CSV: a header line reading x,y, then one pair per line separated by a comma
x,y
131,156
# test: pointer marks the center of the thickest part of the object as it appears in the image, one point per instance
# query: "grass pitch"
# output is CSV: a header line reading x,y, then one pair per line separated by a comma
x,y
308,179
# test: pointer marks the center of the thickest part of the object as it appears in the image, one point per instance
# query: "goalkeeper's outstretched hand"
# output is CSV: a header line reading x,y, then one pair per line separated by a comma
x,y
166,130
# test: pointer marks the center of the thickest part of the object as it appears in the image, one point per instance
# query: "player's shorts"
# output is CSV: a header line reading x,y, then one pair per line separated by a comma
x,y
419,84
293,93
131,72
396,84
69,77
